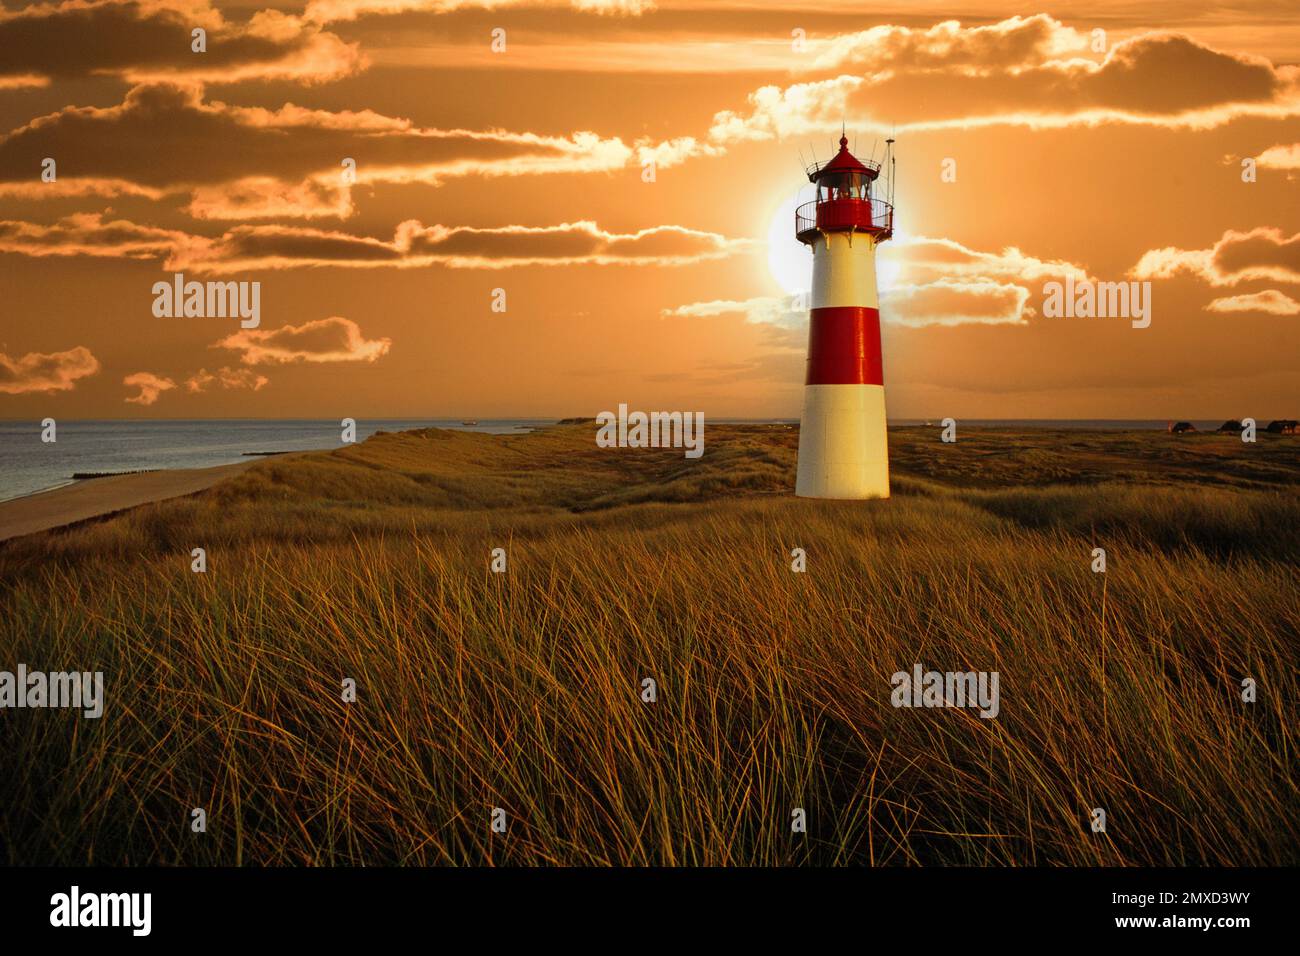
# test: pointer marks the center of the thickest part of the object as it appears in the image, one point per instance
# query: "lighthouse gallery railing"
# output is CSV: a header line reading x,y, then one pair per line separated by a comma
x,y
842,213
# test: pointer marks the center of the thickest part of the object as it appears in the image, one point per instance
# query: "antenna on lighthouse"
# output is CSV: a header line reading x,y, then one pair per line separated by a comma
x,y
889,161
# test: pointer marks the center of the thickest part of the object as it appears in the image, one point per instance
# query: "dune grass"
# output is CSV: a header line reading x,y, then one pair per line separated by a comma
x,y
523,690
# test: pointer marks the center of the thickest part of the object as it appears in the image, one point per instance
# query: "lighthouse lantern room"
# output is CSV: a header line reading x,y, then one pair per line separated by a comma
x,y
842,445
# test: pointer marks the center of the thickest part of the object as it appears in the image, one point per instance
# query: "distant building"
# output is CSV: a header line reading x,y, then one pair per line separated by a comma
x,y
1233,426
1284,426
1178,428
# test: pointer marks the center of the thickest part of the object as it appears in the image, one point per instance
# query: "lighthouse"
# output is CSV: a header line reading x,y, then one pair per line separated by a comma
x,y
842,446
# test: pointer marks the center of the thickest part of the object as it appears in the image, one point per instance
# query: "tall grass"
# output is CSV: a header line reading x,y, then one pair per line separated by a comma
x,y
523,690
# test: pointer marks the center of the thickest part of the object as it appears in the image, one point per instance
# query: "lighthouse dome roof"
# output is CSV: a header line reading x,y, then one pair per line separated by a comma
x,y
842,162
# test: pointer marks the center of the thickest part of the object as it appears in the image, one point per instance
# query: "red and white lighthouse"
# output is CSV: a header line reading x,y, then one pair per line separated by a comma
x,y
842,446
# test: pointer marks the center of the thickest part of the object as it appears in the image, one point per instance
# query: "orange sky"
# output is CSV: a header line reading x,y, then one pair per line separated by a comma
x,y
1112,155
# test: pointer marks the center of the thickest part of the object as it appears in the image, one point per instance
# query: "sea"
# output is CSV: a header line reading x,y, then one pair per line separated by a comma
x,y
29,466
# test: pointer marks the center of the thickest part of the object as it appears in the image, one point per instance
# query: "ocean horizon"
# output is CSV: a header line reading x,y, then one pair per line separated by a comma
x,y
103,446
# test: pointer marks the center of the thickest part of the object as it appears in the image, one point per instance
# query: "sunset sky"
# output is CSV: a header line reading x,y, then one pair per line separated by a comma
x,y
523,169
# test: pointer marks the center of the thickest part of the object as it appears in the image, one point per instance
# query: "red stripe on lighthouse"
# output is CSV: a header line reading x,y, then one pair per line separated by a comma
x,y
844,346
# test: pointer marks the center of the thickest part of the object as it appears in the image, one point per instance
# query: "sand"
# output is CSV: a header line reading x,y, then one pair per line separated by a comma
x,y
94,497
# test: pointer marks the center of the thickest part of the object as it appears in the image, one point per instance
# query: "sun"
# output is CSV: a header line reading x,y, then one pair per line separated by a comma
x,y
790,262
890,261
788,259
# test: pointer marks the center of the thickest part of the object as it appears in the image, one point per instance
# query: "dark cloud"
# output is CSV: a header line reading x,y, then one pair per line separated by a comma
x,y
137,40
1159,78
88,234
1259,251
165,136
413,245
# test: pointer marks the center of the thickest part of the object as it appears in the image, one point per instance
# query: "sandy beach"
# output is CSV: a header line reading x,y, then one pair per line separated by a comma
x,y
94,497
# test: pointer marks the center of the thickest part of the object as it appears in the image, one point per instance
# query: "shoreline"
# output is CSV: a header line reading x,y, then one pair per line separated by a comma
x,y
86,498
65,483
90,496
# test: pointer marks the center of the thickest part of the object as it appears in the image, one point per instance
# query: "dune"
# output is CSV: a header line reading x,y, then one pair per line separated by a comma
x,y
776,632
95,497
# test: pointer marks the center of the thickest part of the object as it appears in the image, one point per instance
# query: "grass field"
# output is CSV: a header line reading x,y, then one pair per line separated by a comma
x,y
522,690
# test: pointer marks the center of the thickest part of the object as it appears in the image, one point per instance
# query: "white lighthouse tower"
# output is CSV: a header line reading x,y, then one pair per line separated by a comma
x,y
842,445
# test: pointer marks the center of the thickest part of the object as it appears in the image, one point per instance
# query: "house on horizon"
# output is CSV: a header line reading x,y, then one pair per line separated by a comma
x,y
1178,428
1233,426
1284,426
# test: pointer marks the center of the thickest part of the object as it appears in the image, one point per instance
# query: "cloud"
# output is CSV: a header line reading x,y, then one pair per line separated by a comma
x,y
261,197
923,259
674,152
262,162
88,234
943,302
1270,301
925,281
1017,42
65,188
145,41
948,302
46,371
777,113
939,281
415,245
150,386
333,11
1263,253
1280,157
23,81
564,244
781,311
953,77
227,378
627,7
335,339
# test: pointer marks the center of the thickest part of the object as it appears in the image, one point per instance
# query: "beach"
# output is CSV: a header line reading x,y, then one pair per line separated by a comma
x,y
29,465
96,497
